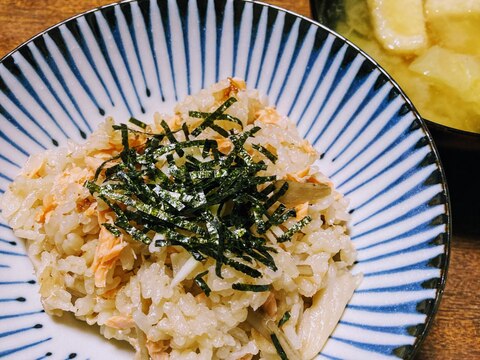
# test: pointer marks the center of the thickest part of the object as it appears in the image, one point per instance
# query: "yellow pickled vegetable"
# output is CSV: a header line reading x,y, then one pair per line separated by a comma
x,y
430,47
455,25
399,25
452,7
459,72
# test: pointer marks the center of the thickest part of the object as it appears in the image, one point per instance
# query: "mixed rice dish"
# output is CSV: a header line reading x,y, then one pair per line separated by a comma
x,y
206,234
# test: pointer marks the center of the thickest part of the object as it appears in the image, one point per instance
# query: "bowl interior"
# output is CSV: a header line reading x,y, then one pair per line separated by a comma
x,y
458,149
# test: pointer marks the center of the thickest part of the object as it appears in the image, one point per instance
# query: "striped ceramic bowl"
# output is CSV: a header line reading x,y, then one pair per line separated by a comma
x,y
138,57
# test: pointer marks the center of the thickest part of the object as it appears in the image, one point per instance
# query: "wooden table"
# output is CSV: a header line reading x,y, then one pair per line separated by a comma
x,y
455,333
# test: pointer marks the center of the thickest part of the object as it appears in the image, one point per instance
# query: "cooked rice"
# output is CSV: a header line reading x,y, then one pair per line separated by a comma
x,y
125,286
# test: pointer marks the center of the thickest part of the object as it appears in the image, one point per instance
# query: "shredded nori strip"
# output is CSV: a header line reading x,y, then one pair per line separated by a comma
x,y
210,118
268,154
278,347
284,318
137,122
202,284
250,287
112,229
194,196
294,229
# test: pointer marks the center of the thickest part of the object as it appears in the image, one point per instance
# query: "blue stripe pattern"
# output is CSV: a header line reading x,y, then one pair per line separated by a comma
x,y
139,57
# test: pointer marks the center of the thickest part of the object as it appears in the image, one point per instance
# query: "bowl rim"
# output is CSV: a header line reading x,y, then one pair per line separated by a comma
x,y
420,338
474,135
440,288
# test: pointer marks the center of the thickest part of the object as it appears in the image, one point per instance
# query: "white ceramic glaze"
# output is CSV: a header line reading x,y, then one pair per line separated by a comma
x,y
138,57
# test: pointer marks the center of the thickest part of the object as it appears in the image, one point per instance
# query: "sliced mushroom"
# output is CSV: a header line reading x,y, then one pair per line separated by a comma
x,y
299,193
267,327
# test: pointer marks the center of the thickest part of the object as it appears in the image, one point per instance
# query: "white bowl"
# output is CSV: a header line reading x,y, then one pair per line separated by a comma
x,y
138,57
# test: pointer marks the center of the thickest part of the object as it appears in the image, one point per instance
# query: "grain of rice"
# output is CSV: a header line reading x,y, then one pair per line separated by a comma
x,y
48,206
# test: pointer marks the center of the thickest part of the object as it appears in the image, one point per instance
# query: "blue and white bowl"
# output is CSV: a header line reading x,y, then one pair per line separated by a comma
x,y
138,57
